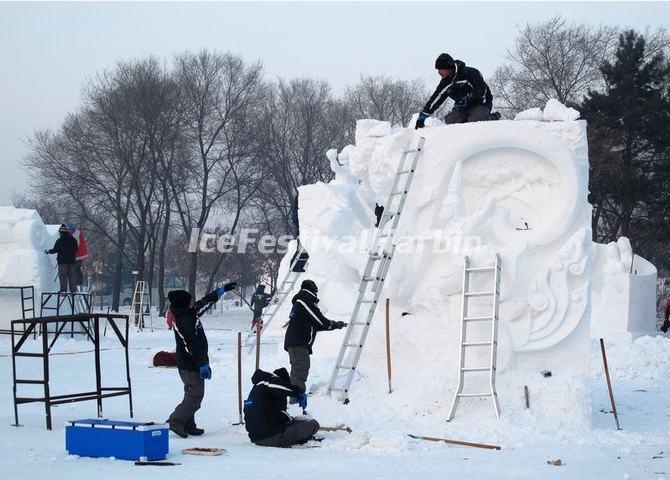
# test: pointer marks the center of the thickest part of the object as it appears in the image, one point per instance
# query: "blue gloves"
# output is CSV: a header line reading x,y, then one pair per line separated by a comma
x,y
421,121
302,400
205,372
462,103
226,288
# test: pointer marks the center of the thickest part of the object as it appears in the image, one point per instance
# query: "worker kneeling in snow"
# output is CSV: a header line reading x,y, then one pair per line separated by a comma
x,y
265,417
304,321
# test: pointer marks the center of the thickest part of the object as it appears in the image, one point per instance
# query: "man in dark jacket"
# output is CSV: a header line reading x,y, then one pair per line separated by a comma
x,y
265,417
466,86
65,249
192,358
305,320
259,300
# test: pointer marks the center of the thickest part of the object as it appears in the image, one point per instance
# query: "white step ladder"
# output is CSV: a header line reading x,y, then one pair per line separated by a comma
x,y
139,305
466,319
376,269
279,297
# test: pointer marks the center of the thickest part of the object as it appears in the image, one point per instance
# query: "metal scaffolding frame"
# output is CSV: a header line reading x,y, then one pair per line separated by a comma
x,y
19,337
27,295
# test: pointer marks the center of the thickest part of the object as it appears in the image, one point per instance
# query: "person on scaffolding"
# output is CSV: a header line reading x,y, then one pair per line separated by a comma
x,y
82,251
192,357
65,249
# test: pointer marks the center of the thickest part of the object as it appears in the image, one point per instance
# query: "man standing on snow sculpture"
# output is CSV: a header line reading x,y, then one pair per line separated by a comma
x,y
466,86
305,320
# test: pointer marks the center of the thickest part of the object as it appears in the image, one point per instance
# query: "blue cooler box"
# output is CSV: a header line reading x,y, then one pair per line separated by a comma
x,y
124,440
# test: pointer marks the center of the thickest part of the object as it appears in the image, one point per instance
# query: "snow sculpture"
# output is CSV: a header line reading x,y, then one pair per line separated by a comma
x,y
514,187
23,239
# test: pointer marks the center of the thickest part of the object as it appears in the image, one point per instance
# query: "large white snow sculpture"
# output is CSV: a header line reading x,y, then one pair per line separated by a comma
x,y
23,239
518,188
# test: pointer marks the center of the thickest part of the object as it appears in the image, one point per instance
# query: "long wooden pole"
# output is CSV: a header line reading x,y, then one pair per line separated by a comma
x,y
455,442
388,344
609,384
258,346
239,378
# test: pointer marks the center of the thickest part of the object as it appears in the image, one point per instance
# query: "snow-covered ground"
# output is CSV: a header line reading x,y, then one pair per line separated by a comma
x,y
378,446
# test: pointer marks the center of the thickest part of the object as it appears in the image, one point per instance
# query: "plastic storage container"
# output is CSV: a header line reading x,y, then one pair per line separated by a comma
x,y
123,440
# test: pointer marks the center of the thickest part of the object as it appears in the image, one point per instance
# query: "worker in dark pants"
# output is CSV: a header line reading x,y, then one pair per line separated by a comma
x,y
192,357
463,84
259,300
65,249
304,321
265,417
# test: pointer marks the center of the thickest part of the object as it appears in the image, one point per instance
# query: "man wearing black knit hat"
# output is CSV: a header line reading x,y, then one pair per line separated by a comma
x,y
305,320
192,358
466,86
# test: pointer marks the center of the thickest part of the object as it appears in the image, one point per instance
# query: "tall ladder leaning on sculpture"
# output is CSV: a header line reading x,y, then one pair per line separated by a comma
x,y
376,269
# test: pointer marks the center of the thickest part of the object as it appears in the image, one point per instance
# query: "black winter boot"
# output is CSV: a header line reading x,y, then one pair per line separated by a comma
x,y
194,430
179,430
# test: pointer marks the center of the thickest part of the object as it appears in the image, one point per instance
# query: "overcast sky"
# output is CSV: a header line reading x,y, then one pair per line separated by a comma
x,y
48,49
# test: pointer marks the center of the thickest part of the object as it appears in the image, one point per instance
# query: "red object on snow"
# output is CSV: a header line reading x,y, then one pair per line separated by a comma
x,y
165,359
170,319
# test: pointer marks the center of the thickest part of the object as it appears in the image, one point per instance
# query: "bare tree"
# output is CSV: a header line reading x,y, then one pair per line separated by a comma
x,y
216,91
382,98
302,124
552,59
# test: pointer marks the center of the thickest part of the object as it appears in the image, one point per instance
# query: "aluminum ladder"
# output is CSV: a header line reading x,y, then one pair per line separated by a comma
x,y
466,319
279,297
376,269
141,303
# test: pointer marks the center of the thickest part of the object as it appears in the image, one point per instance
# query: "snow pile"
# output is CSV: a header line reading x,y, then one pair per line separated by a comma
x,y
23,239
554,111
646,358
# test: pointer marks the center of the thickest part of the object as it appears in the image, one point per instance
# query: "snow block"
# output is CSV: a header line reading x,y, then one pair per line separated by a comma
x,y
23,239
516,188
122,440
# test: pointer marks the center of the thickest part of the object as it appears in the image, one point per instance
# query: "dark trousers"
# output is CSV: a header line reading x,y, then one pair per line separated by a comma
x,y
194,391
479,113
78,273
66,275
299,358
297,431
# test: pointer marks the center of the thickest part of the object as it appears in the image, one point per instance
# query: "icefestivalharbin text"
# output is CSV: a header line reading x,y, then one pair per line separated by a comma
x,y
436,241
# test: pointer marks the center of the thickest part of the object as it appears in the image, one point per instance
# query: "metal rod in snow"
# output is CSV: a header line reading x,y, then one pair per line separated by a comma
x,y
525,396
258,345
239,378
388,345
609,384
